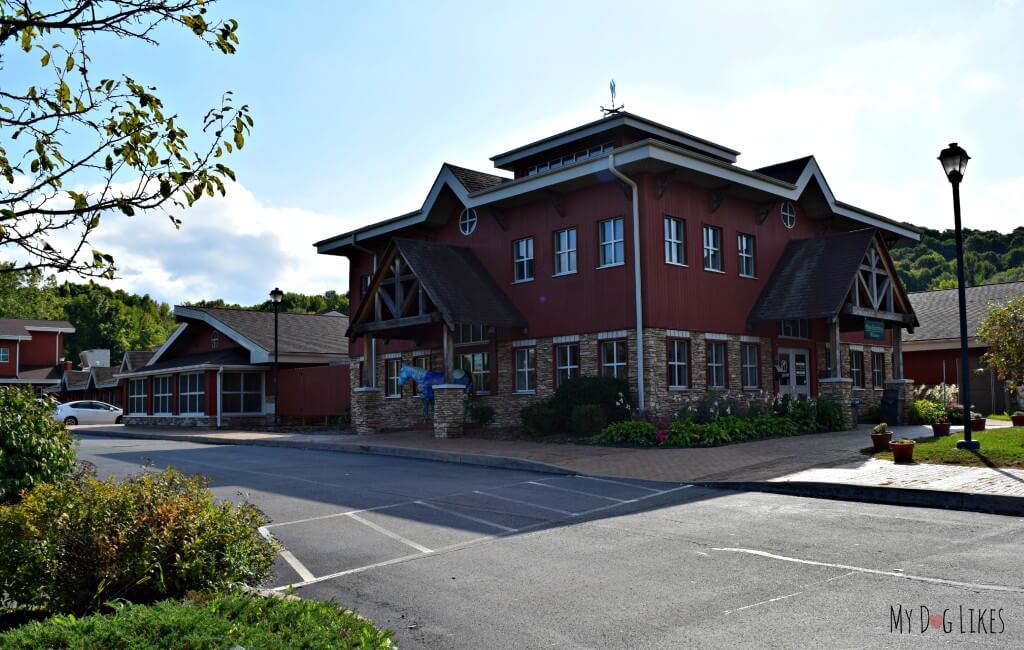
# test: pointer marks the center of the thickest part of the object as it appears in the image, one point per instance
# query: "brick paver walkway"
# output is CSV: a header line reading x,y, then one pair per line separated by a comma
x,y
831,457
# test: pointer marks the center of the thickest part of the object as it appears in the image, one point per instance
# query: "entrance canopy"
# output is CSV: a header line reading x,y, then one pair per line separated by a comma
x,y
419,283
847,277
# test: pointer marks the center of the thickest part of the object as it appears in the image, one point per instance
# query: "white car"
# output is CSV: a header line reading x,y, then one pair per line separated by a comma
x,y
88,412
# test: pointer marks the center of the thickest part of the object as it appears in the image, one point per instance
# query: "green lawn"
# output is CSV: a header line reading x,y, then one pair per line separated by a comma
x,y
1003,447
1005,417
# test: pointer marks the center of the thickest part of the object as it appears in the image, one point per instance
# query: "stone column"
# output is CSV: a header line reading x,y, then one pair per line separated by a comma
x,y
838,390
904,398
367,409
449,410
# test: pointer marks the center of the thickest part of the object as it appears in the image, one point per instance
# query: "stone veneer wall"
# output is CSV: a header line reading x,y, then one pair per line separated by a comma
x,y
663,401
198,421
870,396
449,411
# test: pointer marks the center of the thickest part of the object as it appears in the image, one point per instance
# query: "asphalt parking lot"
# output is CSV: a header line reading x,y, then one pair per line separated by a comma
x,y
457,556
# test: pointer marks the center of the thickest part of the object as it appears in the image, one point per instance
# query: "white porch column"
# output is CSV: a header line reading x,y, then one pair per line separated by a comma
x,y
897,352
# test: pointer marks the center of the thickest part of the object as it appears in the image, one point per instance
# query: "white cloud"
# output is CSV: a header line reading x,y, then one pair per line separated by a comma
x,y
235,247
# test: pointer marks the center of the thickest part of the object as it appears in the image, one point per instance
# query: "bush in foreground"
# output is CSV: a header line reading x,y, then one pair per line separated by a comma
x,y
201,623
34,448
539,419
609,393
72,546
587,420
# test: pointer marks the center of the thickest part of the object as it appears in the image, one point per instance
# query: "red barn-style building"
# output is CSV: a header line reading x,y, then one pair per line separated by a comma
x,y
216,369
626,247
32,352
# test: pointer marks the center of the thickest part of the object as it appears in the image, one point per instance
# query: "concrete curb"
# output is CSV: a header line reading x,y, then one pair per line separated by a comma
x,y
972,502
484,460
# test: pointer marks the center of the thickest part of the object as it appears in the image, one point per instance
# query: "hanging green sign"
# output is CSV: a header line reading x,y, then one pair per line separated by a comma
x,y
874,329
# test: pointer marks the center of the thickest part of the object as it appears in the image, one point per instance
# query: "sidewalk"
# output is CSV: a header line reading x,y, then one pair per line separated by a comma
x,y
831,459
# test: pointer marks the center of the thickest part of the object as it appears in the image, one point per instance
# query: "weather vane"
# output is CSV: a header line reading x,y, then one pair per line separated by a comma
x,y
614,110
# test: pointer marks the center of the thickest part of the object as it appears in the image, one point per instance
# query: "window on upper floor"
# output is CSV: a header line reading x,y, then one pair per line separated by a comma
x,y
471,334
788,213
793,328
712,248
745,248
611,242
522,259
675,241
5,355
214,341
467,221
565,251
568,159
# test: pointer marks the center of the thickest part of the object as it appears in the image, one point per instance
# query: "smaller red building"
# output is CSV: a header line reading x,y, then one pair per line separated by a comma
x,y
32,351
932,352
216,369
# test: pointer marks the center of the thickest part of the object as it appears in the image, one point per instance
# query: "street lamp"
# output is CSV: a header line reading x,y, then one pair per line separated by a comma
x,y
275,297
954,163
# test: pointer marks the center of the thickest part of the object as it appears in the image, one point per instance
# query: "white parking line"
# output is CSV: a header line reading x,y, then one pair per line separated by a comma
x,y
393,535
479,540
586,494
287,556
525,503
467,517
608,480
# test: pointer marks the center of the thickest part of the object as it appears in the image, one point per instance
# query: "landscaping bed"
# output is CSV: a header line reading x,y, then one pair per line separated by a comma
x,y
205,622
1002,447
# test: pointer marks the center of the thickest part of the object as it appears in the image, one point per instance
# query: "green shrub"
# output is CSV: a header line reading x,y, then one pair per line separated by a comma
x,y
610,393
72,546
481,414
34,448
923,411
830,417
804,415
587,420
206,623
638,432
956,413
539,419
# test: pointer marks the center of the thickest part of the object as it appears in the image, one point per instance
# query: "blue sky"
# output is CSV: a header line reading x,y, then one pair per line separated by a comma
x,y
358,104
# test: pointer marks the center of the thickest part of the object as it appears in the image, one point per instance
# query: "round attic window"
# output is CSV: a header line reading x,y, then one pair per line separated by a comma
x,y
467,221
788,214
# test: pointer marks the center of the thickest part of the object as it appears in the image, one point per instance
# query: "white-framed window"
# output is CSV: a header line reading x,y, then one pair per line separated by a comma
x,y
421,361
568,159
522,259
613,359
675,241
526,370
5,355
788,212
751,366
565,251
745,249
214,341
712,248
467,221
137,396
392,368
878,369
678,363
793,328
477,364
716,364
857,368
470,334
162,395
567,362
242,392
612,242
191,396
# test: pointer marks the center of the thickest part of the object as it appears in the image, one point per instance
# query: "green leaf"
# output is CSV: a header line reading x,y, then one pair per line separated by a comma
x,y
45,61
69,65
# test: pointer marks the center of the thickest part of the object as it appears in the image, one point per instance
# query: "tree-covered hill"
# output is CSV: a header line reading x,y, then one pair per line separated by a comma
x,y
989,257
112,319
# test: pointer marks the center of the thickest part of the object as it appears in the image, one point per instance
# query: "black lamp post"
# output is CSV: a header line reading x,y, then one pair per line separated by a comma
x,y
954,163
275,297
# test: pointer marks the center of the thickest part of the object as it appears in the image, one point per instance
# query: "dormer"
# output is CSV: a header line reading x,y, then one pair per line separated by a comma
x,y
598,138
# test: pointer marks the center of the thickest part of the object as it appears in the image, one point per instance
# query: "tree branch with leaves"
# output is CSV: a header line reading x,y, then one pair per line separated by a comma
x,y
131,155
1002,328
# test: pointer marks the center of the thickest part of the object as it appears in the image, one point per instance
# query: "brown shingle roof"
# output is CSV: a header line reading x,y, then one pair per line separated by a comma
x,y
813,277
103,377
939,310
18,326
76,379
227,357
45,373
298,333
475,181
138,358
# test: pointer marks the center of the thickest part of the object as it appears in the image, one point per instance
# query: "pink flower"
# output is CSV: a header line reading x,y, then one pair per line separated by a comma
x,y
662,435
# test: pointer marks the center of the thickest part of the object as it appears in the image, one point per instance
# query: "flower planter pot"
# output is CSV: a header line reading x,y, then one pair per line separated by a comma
x,y
978,425
1017,420
940,429
881,440
902,452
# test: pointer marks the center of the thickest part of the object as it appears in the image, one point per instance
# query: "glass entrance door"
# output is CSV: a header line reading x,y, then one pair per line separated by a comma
x,y
792,367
